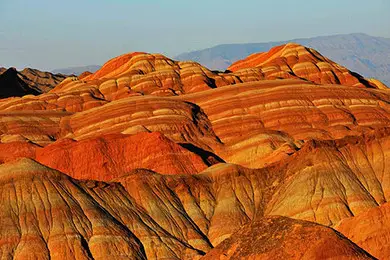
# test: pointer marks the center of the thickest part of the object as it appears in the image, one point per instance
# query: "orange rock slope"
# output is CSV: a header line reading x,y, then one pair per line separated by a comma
x,y
110,156
284,238
294,60
370,230
153,158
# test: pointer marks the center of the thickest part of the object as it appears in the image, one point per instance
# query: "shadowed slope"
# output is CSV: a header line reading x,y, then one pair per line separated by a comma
x,y
12,86
41,81
15,83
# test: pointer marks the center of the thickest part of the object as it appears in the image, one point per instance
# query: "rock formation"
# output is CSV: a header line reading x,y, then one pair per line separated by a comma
x,y
12,86
294,60
359,52
42,81
284,238
153,158
108,156
15,83
47,215
370,230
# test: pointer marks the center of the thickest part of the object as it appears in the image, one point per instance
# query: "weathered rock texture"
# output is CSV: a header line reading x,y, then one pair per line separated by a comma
x,y
370,230
284,238
154,158
110,156
47,215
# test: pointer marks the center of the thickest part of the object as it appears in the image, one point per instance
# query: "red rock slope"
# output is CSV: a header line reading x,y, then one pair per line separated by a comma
x,y
110,156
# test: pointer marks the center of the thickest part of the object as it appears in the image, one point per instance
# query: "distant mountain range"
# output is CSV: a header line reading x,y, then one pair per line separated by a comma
x,y
362,53
77,70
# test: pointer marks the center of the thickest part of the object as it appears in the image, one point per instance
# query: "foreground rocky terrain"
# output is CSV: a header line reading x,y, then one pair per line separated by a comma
x,y
284,156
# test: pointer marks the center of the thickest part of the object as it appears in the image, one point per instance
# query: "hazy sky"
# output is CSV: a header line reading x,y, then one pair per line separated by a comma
x,y
50,34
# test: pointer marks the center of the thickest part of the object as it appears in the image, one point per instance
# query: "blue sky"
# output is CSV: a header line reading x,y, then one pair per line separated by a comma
x,y
50,34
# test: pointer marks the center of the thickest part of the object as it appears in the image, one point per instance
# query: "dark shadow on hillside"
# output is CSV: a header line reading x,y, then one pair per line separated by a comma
x,y
208,157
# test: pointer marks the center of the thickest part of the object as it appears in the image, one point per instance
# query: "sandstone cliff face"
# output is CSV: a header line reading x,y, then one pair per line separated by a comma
x,y
154,158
